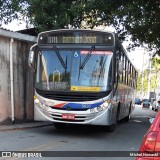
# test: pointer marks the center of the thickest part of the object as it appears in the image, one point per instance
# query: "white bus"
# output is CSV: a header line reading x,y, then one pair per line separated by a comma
x,y
82,77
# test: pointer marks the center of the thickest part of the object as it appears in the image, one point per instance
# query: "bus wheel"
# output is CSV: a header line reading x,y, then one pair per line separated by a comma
x,y
126,119
59,125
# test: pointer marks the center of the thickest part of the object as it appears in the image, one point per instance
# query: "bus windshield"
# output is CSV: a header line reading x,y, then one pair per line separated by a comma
x,y
74,70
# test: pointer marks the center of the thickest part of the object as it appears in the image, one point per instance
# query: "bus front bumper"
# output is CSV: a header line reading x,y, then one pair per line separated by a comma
x,y
73,117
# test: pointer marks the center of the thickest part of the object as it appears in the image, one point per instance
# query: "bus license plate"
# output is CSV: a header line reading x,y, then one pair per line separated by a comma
x,y
68,116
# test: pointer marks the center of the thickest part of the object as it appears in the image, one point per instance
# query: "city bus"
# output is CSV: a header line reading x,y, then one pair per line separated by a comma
x,y
82,77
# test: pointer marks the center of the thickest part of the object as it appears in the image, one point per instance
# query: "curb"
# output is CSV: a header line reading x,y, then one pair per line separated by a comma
x,y
24,126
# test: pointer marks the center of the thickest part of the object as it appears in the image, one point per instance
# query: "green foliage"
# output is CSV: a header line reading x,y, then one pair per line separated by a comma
x,y
49,14
138,18
139,81
154,81
12,9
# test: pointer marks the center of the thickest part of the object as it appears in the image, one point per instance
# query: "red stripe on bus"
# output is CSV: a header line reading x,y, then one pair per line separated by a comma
x,y
59,105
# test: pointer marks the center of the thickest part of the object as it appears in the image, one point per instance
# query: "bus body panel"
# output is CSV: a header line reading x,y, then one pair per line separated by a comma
x,y
64,48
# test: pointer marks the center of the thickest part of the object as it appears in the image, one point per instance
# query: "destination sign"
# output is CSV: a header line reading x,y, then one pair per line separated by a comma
x,y
75,37
71,39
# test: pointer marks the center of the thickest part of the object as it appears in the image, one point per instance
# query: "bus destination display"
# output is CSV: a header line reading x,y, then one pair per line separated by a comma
x,y
69,39
76,37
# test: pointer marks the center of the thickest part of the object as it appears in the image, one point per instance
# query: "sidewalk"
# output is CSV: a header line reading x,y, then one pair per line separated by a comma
x,y
21,126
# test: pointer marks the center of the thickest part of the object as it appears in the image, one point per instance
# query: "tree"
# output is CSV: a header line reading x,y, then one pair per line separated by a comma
x,y
138,18
155,72
12,9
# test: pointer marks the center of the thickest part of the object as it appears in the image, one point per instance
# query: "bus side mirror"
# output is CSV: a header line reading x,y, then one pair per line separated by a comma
x,y
31,59
120,67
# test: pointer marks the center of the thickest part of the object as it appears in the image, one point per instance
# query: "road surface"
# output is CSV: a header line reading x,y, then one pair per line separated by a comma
x,y
126,137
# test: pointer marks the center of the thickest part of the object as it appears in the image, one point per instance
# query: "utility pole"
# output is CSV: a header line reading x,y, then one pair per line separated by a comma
x,y
142,75
149,76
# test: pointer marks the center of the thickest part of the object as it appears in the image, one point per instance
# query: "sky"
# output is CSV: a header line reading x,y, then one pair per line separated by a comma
x,y
137,57
14,26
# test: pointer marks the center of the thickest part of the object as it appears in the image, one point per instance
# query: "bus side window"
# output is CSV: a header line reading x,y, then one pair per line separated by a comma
x,y
130,75
119,61
121,74
136,79
127,71
117,57
134,76
124,72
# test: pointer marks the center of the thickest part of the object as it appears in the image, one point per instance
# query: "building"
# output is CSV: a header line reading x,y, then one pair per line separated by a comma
x,y
16,79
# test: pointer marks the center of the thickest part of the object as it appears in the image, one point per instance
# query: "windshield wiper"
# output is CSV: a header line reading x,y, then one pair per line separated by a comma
x,y
86,58
60,57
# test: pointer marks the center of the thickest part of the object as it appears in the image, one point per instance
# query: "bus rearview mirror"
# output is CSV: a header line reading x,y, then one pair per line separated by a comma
x,y
31,60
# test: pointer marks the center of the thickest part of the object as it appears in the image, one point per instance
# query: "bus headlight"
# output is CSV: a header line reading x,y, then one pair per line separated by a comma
x,y
99,108
36,101
107,103
45,107
92,110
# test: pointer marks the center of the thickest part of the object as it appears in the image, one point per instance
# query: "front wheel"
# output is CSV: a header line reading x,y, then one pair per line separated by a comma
x,y
126,119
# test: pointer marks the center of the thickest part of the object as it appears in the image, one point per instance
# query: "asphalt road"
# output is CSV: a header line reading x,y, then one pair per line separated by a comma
x,y
126,137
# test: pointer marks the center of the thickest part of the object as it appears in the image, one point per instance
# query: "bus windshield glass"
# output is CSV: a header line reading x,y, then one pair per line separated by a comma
x,y
81,70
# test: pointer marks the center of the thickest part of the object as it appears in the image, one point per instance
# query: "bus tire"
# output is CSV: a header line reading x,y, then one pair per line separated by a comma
x,y
59,125
126,119
112,127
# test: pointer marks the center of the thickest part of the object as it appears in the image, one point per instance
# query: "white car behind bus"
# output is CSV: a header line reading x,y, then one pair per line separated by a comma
x,y
156,105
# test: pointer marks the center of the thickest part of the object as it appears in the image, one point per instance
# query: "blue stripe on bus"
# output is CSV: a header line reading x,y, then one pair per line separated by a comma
x,y
82,106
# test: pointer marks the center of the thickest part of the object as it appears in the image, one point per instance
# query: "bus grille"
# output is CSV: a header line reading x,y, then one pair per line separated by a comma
x,y
72,96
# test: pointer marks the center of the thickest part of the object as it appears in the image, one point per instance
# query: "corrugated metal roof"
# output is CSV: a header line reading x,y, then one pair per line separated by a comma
x,y
29,31
12,34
